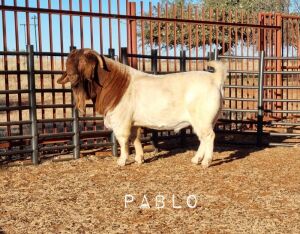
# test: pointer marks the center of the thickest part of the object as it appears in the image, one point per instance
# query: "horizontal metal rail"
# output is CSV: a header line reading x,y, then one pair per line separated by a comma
x,y
53,90
90,118
238,57
62,135
13,72
285,123
240,87
229,121
84,146
281,100
95,134
282,58
45,106
54,120
239,110
15,152
284,134
54,148
281,87
283,72
23,53
48,72
240,99
243,72
14,91
132,17
13,108
283,111
24,122
50,54
13,138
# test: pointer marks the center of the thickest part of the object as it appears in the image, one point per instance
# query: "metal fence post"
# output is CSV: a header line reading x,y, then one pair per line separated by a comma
x,y
260,104
32,101
114,148
124,58
213,55
154,71
75,115
183,69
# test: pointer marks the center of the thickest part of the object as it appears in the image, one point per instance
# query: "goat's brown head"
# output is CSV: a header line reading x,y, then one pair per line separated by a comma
x,y
83,68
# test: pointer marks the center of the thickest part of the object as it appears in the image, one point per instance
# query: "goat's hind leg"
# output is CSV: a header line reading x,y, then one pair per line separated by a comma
x,y
205,151
209,148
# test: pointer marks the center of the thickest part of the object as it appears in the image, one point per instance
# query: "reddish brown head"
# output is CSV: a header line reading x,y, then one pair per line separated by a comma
x,y
83,69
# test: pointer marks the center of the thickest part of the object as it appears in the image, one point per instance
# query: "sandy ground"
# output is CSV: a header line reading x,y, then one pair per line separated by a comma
x,y
244,191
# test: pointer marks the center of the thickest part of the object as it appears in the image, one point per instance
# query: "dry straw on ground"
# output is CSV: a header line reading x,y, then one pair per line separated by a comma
x,y
244,191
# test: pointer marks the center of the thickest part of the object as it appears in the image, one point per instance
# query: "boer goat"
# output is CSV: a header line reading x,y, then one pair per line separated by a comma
x,y
129,99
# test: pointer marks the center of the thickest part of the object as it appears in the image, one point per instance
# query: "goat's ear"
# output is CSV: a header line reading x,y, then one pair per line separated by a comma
x,y
63,79
100,58
86,66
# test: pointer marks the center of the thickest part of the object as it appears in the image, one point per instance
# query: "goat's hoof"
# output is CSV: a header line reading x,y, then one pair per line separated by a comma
x,y
195,160
205,165
121,162
139,160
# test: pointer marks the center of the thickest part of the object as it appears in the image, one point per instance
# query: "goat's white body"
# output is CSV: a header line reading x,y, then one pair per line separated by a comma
x,y
169,102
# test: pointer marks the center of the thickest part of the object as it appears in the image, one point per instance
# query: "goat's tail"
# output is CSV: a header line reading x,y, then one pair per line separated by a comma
x,y
220,72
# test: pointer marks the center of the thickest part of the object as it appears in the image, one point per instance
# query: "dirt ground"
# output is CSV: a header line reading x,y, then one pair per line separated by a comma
x,y
244,191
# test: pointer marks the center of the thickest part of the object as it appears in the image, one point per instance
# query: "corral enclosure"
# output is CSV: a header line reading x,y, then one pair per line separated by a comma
x,y
247,189
38,119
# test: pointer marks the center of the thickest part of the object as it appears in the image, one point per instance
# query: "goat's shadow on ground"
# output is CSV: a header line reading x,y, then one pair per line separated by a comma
x,y
239,152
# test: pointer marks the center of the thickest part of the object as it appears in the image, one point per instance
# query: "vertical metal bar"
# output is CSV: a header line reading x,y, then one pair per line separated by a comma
x,y
278,92
41,67
260,108
167,37
75,126
159,35
109,24
32,101
175,35
183,69
190,37
154,71
62,61
124,58
197,37
71,24
6,68
18,67
100,28
81,26
91,25
151,27
52,64
132,34
114,148
143,37
119,28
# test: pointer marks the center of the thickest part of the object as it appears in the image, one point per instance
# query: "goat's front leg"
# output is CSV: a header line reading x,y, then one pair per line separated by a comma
x,y
135,136
123,141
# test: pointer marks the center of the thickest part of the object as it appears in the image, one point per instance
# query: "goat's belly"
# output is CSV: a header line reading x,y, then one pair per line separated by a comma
x,y
163,126
156,121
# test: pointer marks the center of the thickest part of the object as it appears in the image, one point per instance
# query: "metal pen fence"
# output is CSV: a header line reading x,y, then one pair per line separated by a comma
x,y
32,142
182,42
